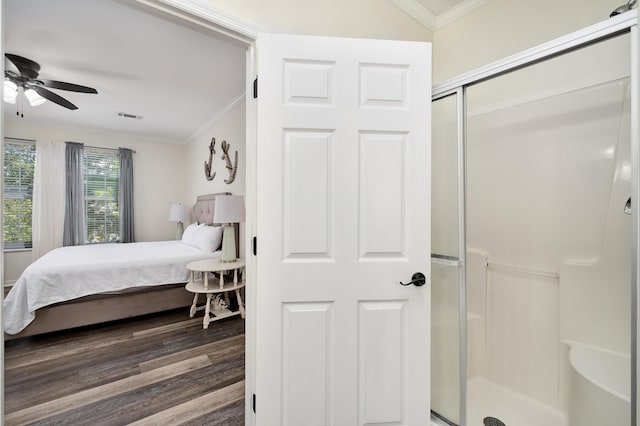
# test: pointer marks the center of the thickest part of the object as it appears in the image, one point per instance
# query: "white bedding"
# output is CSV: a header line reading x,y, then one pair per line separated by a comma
x,y
68,273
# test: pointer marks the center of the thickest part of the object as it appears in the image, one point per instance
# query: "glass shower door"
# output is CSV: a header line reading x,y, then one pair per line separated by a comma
x,y
548,241
447,394
534,308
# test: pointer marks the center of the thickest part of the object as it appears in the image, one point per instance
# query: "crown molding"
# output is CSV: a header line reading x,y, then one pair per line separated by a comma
x,y
418,12
223,113
458,11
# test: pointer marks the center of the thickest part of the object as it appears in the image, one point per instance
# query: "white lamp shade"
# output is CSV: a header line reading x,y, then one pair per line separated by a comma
x,y
177,213
34,98
228,209
10,92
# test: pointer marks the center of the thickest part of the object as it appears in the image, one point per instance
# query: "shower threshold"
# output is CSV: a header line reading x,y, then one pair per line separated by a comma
x,y
488,399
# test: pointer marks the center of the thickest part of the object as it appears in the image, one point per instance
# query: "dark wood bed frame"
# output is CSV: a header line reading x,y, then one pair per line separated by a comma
x,y
101,308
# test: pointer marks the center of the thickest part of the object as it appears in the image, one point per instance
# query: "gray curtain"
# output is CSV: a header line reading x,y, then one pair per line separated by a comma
x,y
74,194
125,196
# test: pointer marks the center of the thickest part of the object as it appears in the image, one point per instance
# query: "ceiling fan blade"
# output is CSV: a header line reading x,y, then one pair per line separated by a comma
x,y
67,86
52,97
27,67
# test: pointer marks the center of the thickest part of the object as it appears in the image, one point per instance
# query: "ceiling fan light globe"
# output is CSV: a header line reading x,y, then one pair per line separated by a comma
x,y
9,99
9,92
34,98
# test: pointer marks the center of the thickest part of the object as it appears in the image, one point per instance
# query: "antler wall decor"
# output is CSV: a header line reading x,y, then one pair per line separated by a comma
x,y
208,164
231,169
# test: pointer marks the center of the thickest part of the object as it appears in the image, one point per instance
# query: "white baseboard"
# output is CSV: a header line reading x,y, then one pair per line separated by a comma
x,y
9,283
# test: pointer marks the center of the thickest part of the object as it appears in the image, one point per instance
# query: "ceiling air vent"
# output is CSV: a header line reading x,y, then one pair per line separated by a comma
x,y
125,115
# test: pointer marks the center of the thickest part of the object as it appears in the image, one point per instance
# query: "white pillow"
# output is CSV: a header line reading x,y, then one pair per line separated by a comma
x,y
189,234
208,238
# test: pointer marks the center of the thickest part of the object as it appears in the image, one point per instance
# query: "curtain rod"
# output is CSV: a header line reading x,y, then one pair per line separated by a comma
x,y
110,149
18,140
21,140
107,149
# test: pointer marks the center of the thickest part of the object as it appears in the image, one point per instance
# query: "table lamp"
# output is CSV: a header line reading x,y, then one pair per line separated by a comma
x,y
177,213
229,209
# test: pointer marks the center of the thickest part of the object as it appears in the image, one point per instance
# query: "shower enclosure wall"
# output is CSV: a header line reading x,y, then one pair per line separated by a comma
x,y
534,259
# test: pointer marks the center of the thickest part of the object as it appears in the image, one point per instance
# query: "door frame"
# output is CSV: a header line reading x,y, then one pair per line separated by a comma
x,y
198,12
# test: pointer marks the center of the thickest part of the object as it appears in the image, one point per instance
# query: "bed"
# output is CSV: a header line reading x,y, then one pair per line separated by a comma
x,y
83,285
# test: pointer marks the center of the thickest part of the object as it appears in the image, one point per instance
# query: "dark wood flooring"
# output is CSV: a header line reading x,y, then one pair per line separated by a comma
x,y
155,370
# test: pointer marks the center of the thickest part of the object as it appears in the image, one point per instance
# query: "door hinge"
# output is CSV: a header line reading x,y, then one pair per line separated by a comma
x,y
255,88
254,402
254,244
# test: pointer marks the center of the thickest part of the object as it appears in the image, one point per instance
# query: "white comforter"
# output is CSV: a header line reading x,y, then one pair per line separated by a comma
x,y
70,272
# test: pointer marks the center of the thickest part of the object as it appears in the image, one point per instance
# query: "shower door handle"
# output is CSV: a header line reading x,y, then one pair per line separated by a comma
x,y
418,279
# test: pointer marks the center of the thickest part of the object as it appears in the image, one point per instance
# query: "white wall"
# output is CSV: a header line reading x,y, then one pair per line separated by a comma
x,y
230,127
343,18
159,180
505,27
14,264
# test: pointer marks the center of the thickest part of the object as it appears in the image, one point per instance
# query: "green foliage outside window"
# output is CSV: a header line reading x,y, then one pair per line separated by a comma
x,y
101,175
18,168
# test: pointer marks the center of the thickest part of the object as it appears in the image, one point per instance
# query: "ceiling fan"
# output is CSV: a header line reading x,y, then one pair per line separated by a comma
x,y
27,79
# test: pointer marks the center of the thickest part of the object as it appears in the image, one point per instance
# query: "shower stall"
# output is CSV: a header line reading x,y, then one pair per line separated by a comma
x,y
534,239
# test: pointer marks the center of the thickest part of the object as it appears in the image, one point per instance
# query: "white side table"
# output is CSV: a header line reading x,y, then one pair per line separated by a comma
x,y
209,287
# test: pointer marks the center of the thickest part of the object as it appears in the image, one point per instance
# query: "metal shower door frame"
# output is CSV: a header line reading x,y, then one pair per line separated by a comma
x,y
460,262
625,23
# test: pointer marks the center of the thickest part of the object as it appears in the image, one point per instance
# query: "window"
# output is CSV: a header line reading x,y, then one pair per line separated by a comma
x,y
17,194
101,175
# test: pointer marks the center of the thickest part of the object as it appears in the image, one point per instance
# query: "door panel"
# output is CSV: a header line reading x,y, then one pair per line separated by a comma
x,y
307,219
381,195
306,363
343,216
382,361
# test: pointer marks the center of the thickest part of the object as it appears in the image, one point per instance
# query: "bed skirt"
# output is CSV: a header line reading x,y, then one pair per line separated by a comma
x,y
97,309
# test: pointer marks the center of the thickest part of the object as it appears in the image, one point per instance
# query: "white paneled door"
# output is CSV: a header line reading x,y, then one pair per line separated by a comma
x,y
343,215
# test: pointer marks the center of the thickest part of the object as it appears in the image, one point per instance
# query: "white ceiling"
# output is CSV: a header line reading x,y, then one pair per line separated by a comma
x,y
178,77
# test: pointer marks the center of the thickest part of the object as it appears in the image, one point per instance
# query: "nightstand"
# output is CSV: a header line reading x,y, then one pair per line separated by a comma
x,y
216,308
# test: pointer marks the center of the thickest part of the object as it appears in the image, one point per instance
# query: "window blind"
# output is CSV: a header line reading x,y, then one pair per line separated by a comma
x,y
101,174
17,195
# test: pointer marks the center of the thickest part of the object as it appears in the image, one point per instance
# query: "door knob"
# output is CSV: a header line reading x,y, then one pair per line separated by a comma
x,y
418,279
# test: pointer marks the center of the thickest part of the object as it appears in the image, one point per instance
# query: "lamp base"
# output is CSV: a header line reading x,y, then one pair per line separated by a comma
x,y
179,231
228,244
